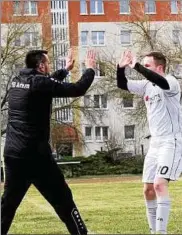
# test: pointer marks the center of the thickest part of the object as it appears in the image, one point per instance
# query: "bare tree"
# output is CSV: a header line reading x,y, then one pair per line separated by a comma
x,y
16,39
147,36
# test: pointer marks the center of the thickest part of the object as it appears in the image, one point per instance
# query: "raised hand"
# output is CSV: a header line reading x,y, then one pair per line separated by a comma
x,y
90,60
126,59
69,60
133,60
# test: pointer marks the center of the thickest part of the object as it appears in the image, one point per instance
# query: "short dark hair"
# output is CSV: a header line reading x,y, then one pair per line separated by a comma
x,y
34,58
159,58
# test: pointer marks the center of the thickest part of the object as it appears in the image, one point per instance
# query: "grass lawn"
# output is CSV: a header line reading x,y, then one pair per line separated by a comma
x,y
108,206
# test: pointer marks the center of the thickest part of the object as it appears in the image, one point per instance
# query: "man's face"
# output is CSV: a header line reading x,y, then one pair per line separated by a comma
x,y
44,67
150,63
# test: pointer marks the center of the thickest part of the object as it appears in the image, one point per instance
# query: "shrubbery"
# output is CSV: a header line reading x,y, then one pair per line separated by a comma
x,y
103,163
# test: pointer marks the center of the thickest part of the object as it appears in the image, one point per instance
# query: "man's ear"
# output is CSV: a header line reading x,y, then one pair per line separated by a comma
x,y
160,68
41,66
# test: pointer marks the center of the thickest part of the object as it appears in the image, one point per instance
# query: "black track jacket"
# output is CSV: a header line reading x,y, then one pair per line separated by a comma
x,y
30,100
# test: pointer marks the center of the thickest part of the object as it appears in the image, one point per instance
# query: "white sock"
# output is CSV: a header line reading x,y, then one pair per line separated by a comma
x,y
163,209
151,206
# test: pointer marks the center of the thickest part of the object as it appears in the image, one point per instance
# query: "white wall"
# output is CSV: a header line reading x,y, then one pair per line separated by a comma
x,y
113,118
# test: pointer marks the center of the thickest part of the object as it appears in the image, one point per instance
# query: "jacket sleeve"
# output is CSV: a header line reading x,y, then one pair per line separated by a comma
x,y
152,76
121,78
60,74
55,88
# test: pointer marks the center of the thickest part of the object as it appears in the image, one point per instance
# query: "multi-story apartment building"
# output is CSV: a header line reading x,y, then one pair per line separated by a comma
x,y
102,119
111,27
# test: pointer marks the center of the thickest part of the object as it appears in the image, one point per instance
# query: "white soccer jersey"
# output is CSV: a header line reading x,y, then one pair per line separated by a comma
x,y
163,106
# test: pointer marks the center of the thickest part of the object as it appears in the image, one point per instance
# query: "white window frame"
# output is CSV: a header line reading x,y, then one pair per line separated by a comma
x,y
122,33
128,107
132,138
87,99
174,8
19,8
30,8
101,102
96,7
121,3
178,71
176,40
31,38
98,73
18,39
84,31
101,136
98,42
105,139
84,2
147,4
90,137
64,115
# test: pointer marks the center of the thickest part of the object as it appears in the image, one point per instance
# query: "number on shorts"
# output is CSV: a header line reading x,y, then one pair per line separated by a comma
x,y
163,170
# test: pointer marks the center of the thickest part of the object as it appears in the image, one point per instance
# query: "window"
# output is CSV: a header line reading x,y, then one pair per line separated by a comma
x,y
96,7
103,102
18,67
101,133
98,133
87,100
98,37
64,115
174,6
30,8
127,102
152,34
100,70
175,36
125,37
129,131
84,38
83,7
178,70
105,132
60,34
59,18
58,5
124,7
61,63
96,101
31,38
100,101
150,6
17,42
88,133
16,8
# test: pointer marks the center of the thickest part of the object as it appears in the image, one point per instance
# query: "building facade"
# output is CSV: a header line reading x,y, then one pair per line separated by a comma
x,y
105,117
110,27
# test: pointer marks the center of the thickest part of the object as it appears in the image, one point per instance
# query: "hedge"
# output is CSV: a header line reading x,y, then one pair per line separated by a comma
x,y
102,163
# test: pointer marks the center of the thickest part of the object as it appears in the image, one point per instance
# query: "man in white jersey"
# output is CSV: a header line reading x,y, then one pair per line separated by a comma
x,y
163,161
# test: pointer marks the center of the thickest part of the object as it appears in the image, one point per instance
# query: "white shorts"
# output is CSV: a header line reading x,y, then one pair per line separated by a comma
x,y
164,158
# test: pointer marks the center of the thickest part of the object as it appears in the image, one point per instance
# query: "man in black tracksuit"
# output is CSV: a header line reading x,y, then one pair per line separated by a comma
x,y
27,153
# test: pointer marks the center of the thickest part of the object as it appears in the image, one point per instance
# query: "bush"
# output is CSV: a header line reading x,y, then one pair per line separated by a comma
x,y
102,164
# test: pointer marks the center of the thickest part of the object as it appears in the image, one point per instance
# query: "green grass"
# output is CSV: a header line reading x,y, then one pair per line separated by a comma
x,y
106,207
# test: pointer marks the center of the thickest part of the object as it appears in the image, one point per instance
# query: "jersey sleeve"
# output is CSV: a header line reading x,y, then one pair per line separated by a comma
x,y
137,87
174,87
